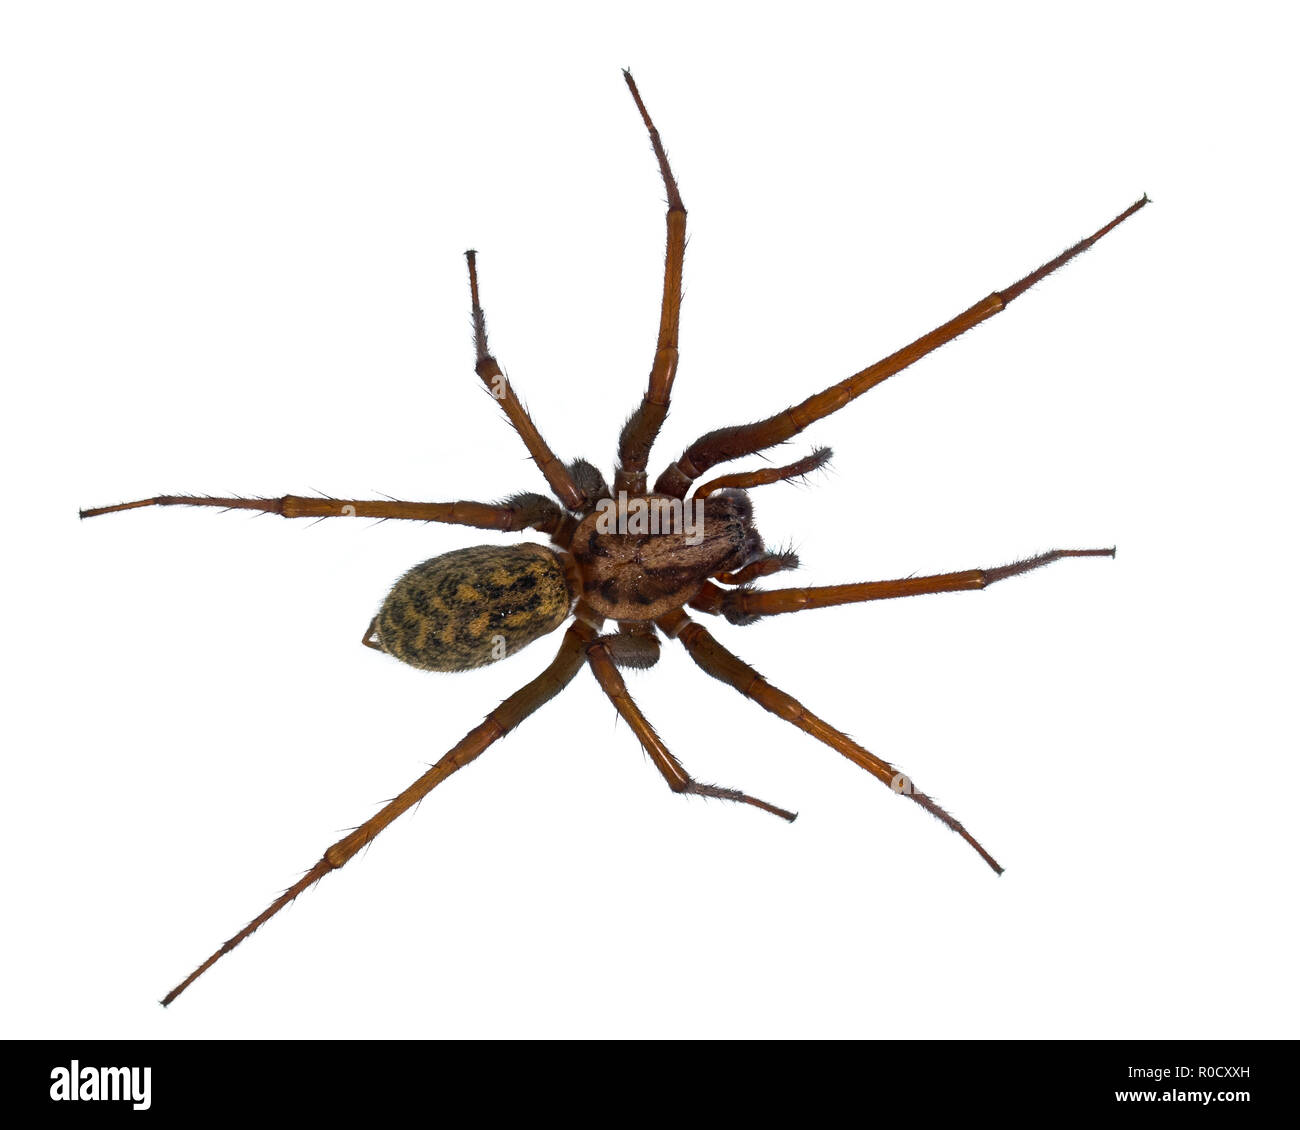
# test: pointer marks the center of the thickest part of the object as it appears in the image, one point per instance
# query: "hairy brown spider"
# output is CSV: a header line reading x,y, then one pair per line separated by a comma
x,y
631,554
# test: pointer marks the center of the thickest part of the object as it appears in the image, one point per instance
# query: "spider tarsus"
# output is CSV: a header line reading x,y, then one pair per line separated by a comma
x,y
747,480
992,576
784,814
95,512
932,807
695,788
1018,288
670,182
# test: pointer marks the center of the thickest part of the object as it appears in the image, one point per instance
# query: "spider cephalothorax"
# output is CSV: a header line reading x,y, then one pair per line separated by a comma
x,y
642,557
630,554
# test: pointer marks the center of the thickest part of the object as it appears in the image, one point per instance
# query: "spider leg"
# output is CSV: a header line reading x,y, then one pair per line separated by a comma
x,y
520,512
497,724
744,606
734,442
589,479
635,646
643,426
745,480
603,667
557,474
765,566
716,660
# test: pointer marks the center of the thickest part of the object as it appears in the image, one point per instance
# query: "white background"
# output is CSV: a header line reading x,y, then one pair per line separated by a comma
x,y
232,263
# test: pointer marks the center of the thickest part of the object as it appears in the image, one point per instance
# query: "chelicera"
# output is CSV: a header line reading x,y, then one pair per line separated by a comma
x,y
635,554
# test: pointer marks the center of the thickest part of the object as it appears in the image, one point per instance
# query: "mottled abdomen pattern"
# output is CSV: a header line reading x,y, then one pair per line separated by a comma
x,y
474,606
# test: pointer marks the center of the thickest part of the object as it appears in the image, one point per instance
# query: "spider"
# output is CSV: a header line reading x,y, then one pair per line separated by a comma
x,y
635,554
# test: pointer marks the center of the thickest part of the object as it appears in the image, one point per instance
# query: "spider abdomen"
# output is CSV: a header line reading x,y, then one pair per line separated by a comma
x,y
474,606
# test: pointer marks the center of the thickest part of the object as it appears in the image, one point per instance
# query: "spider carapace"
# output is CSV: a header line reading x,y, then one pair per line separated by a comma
x,y
631,553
